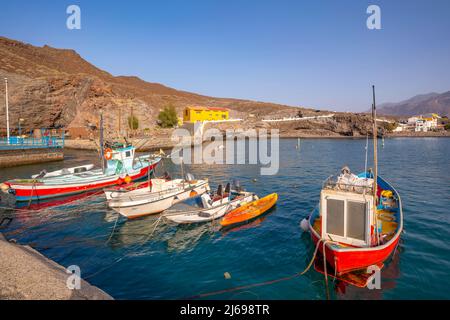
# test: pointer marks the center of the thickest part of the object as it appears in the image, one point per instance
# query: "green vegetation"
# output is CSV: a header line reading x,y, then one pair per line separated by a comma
x,y
133,122
391,126
168,117
447,127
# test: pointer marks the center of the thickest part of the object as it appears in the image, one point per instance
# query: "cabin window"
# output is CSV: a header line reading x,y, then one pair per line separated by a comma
x,y
356,220
127,154
335,217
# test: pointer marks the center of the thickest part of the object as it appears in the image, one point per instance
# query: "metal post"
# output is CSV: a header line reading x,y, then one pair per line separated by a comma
x,y
102,159
7,109
375,161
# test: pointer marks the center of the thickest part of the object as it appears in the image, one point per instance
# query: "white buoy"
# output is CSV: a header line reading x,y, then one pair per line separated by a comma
x,y
304,225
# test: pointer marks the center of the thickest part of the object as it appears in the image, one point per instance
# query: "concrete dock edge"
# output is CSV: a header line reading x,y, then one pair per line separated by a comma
x,y
25,274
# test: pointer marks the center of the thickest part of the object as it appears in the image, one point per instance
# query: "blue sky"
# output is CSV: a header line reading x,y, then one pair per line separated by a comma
x,y
310,53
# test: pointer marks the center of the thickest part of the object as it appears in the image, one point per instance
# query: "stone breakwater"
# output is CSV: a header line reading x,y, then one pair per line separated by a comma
x,y
25,274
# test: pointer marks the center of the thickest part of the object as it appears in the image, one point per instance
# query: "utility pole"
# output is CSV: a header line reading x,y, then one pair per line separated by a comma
x,y
7,109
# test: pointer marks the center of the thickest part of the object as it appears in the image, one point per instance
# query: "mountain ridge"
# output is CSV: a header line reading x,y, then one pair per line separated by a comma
x,y
419,104
52,87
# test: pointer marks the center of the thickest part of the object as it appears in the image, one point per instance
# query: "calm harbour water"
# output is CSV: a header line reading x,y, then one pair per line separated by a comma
x,y
126,261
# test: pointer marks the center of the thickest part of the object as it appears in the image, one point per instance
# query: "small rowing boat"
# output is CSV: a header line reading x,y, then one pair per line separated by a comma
x,y
155,197
209,207
250,210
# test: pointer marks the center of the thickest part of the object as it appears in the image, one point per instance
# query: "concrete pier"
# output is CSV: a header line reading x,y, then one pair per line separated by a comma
x,y
18,157
25,274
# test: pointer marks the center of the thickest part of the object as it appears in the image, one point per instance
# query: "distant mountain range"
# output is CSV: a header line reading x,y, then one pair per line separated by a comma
x,y
421,104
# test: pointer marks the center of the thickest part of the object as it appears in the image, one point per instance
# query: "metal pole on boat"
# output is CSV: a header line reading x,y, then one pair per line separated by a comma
x,y
375,160
7,110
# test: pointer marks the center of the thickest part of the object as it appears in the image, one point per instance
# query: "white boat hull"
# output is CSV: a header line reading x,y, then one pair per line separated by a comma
x,y
209,214
148,203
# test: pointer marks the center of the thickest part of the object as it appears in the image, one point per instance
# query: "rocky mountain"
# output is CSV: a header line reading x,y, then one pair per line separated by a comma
x,y
421,104
51,87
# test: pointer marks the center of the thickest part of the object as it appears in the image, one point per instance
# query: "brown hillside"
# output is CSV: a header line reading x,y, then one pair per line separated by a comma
x,y
56,87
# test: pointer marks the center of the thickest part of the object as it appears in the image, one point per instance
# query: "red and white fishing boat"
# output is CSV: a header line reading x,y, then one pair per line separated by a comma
x,y
121,167
359,220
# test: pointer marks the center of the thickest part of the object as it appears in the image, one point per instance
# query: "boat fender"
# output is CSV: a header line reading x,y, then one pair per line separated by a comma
x,y
304,225
127,179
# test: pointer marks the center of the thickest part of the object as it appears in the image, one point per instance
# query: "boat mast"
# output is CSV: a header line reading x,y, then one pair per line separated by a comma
x,y
375,160
7,110
101,141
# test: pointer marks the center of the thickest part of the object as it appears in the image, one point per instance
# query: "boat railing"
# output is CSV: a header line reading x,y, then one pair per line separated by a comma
x,y
333,183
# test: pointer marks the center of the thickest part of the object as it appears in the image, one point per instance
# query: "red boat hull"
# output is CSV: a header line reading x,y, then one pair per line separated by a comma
x,y
38,191
352,259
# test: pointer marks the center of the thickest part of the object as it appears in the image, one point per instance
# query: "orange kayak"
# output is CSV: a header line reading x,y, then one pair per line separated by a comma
x,y
250,210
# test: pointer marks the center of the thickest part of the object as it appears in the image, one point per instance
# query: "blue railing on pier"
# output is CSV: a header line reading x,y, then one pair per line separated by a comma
x,y
31,143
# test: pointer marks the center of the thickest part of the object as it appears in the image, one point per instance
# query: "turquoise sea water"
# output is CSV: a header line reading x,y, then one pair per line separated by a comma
x,y
128,261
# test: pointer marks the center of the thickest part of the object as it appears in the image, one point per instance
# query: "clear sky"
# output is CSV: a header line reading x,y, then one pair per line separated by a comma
x,y
311,53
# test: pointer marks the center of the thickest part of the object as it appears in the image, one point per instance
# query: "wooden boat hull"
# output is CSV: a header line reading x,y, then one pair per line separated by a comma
x,y
250,210
32,191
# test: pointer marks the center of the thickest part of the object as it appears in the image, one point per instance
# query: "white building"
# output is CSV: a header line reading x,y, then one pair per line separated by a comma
x,y
424,123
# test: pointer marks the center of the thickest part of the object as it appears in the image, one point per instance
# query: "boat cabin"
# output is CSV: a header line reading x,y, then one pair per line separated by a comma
x,y
346,210
121,161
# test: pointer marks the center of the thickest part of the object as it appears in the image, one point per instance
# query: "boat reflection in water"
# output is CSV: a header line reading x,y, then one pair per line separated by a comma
x,y
135,232
142,231
389,274
56,202
187,237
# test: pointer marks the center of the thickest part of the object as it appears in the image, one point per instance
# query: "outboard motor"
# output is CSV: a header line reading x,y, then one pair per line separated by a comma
x,y
345,170
167,176
220,190
228,188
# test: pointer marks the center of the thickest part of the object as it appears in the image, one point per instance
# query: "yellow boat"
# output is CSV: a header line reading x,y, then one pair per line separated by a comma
x,y
250,210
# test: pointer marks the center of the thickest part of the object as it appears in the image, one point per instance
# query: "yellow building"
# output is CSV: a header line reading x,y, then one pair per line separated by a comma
x,y
194,114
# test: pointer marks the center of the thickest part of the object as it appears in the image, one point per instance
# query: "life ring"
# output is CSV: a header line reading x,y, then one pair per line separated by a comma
x,y
108,153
